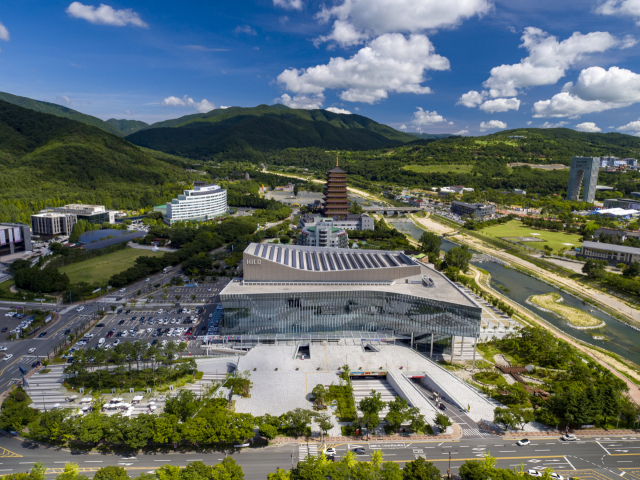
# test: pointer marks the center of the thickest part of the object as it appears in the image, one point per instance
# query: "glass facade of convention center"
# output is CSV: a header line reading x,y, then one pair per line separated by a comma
x,y
340,311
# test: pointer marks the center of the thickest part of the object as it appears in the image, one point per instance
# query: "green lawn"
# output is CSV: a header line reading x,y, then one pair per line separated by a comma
x,y
515,228
102,268
462,168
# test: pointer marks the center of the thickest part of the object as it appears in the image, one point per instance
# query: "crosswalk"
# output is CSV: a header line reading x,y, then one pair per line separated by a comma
x,y
475,432
307,450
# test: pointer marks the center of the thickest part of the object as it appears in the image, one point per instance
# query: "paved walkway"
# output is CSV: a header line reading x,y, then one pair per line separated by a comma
x,y
578,433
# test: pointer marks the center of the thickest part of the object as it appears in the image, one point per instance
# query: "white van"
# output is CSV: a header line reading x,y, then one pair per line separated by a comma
x,y
101,342
122,290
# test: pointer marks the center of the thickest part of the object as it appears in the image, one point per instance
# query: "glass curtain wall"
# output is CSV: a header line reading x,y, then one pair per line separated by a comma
x,y
335,311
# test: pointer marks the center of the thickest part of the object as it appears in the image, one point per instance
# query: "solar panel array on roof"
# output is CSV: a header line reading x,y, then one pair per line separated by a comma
x,y
330,259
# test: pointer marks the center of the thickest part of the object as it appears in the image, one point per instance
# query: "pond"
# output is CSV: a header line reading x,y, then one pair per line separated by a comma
x,y
95,235
619,338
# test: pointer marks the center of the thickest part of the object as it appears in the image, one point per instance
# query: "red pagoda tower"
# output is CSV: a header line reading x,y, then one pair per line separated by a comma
x,y
336,203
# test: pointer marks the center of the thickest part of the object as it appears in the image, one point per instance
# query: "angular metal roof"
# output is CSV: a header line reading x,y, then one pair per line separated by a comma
x,y
321,259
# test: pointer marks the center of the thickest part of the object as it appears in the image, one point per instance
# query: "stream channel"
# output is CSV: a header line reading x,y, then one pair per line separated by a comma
x,y
619,338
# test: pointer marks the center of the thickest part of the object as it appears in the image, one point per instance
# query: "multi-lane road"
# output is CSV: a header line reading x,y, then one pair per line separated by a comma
x,y
589,458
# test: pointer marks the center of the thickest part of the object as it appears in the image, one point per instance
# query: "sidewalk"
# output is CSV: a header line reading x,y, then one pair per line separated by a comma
x,y
456,435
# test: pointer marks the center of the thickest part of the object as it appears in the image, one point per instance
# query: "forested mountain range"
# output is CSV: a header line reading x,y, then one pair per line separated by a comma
x,y
59,111
46,160
246,132
127,127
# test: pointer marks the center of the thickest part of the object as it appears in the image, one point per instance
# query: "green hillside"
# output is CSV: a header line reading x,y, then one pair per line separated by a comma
x,y
429,136
46,160
477,162
246,133
337,120
58,111
127,127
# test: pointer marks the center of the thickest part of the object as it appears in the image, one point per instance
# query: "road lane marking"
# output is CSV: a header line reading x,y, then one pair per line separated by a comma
x,y
603,448
162,460
543,450
93,461
569,462
200,460
507,451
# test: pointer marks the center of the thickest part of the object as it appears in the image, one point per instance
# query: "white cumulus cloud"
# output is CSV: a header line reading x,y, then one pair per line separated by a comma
x,y
4,33
356,21
338,110
492,125
559,124
308,102
620,7
389,63
500,105
425,117
105,15
631,127
564,104
588,127
403,127
548,60
202,106
289,4
472,98
462,132
616,85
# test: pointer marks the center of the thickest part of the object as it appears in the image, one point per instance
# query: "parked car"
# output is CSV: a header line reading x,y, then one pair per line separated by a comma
x,y
442,406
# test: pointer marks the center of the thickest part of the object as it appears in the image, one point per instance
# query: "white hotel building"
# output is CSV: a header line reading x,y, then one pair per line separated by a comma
x,y
201,203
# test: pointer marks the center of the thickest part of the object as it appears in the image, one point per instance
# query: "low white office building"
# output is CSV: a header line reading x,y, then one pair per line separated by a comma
x,y
202,203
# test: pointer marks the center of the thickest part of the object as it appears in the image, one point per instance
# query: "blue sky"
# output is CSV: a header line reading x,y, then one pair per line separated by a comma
x,y
455,66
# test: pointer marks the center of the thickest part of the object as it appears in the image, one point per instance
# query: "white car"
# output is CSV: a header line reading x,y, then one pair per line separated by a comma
x,y
147,279
534,473
569,437
79,309
330,452
116,342
556,476
3,349
8,357
523,443
122,290
149,330
160,311
31,350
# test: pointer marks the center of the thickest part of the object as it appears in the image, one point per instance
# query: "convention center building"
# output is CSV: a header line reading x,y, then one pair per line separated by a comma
x,y
289,291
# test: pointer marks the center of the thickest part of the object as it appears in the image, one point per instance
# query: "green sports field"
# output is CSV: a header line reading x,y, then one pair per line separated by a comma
x,y
102,268
514,228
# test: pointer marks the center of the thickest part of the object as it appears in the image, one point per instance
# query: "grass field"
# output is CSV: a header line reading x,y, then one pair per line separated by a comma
x,y
514,228
462,168
102,268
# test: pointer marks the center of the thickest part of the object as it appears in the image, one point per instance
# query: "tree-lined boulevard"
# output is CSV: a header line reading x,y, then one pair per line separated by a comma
x,y
610,457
